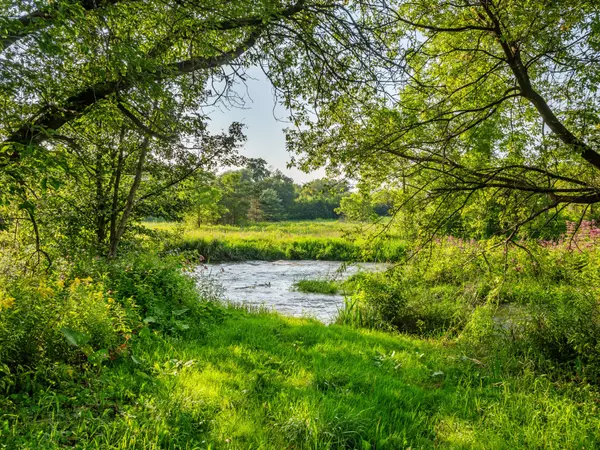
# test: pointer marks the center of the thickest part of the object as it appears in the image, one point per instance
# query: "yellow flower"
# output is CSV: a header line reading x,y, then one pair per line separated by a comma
x,y
45,291
6,302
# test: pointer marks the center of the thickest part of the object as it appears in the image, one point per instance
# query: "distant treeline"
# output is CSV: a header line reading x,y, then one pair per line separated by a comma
x,y
255,193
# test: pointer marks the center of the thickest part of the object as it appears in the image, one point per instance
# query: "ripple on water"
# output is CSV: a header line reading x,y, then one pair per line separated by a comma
x,y
270,283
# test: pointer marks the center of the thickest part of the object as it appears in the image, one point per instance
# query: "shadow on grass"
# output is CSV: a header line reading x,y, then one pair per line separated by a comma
x,y
269,382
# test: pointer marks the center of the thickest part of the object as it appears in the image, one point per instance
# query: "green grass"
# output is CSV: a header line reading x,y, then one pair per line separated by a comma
x,y
316,240
202,376
328,287
264,381
312,228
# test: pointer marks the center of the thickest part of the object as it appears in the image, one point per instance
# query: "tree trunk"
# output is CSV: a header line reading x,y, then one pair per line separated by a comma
x,y
100,203
116,236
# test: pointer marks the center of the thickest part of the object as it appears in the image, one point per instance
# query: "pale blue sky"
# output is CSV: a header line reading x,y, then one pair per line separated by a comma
x,y
264,125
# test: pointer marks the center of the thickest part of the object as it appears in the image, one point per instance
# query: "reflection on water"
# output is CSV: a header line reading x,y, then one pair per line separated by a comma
x,y
269,283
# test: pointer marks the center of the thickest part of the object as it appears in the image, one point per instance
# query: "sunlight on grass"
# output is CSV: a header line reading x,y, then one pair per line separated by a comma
x,y
317,240
259,380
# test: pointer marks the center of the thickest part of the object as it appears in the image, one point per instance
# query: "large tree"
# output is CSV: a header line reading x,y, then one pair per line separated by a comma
x,y
491,101
64,61
60,60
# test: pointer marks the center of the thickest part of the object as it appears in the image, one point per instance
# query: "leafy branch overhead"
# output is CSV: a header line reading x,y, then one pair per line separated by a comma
x,y
492,103
487,101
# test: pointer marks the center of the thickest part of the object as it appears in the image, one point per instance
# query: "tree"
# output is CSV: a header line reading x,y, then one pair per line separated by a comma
x,y
62,58
66,62
237,195
357,206
203,197
285,188
271,205
497,102
113,171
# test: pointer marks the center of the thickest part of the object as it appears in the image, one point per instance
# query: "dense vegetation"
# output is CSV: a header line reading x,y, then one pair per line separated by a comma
x,y
321,240
461,145
132,353
254,193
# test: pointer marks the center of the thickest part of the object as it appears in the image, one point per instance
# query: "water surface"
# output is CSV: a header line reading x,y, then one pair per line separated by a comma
x,y
270,284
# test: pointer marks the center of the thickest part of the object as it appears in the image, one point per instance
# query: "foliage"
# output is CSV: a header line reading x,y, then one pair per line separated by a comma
x,y
42,318
485,120
247,196
166,298
461,120
287,240
68,322
538,300
263,381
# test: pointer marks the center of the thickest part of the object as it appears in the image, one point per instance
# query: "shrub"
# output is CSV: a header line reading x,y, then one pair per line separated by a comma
x,y
165,296
39,317
384,300
565,327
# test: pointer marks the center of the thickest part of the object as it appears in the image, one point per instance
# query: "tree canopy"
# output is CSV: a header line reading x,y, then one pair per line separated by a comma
x,y
489,101
470,105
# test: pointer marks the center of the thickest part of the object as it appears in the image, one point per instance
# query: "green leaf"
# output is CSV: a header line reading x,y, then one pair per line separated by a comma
x,y
75,338
179,312
145,332
98,357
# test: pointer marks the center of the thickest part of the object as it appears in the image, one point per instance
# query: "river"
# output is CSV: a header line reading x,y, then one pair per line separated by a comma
x,y
270,284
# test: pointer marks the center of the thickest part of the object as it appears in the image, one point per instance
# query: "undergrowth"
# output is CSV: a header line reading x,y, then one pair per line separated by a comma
x,y
319,240
500,351
259,380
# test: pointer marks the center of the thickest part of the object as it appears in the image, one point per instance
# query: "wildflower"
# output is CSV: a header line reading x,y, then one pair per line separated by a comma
x,y
6,302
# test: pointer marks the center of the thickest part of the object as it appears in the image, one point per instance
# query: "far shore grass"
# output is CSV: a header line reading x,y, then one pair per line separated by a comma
x,y
316,240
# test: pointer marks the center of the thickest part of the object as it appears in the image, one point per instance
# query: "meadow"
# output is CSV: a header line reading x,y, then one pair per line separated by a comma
x,y
319,240
251,379
464,345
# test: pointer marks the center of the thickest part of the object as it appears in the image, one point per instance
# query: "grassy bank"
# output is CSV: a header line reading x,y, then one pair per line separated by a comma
x,y
133,353
265,381
316,240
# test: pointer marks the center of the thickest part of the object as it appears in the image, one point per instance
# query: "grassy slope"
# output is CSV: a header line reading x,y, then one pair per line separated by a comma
x,y
269,382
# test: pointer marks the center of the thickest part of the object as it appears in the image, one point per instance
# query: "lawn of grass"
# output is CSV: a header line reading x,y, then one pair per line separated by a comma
x,y
262,381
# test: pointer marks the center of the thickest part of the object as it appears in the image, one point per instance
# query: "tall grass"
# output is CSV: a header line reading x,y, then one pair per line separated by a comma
x,y
319,240
500,351
543,299
264,381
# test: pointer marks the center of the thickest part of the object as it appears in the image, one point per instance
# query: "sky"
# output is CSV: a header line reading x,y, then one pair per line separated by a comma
x,y
264,122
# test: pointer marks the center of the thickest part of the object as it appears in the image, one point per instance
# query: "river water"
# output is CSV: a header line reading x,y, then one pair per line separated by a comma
x,y
270,284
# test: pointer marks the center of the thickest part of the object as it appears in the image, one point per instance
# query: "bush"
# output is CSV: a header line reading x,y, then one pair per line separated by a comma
x,y
166,298
565,327
384,300
40,317
71,319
